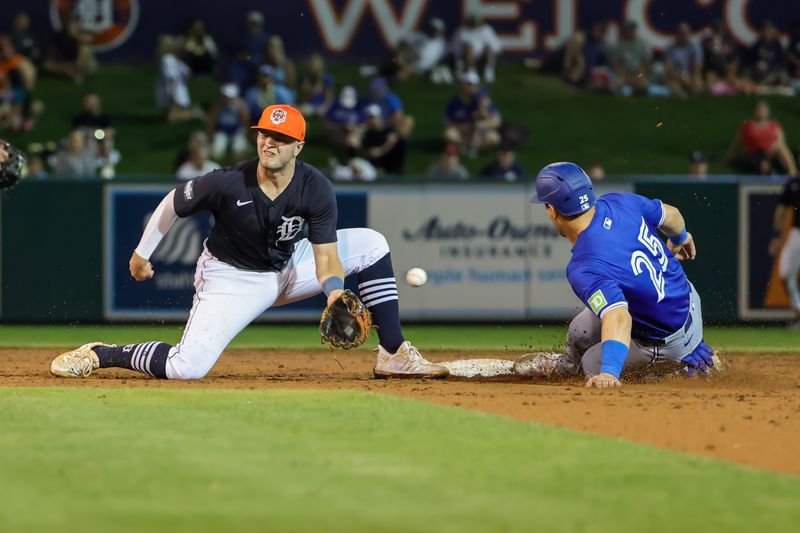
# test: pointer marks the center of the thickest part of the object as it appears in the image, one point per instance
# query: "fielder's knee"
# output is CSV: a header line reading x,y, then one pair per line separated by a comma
x,y
376,242
190,363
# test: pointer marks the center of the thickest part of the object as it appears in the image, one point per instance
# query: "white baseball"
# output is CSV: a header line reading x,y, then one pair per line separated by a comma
x,y
416,277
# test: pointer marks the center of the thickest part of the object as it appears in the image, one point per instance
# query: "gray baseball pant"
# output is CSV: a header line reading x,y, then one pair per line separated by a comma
x,y
584,347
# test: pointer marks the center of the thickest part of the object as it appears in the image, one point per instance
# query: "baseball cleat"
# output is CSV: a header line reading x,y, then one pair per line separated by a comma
x,y
406,362
78,363
537,365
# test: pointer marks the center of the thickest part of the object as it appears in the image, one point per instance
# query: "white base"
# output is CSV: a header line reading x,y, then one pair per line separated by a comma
x,y
485,368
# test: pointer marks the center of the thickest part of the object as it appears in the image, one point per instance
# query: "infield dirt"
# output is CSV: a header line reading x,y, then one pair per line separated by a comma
x,y
750,414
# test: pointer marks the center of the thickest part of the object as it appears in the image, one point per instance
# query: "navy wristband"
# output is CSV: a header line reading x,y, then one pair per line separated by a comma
x,y
612,358
331,284
677,240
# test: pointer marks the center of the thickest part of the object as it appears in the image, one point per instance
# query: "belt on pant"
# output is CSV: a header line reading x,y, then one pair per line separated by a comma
x,y
659,342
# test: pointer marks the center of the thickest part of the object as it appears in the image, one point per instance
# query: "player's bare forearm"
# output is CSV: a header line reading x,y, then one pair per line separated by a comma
x,y
616,326
673,221
674,225
328,265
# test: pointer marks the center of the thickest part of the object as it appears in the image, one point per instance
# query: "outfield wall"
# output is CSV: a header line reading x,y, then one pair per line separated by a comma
x,y
490,254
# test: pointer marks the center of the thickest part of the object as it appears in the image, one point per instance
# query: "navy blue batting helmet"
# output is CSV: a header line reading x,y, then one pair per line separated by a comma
x,y
566,187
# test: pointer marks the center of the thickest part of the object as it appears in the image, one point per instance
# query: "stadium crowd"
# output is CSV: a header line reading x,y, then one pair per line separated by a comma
x,y
368,133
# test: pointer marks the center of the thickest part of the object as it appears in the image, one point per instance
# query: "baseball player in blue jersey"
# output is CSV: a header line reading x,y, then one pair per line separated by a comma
x,y
274,242
641,310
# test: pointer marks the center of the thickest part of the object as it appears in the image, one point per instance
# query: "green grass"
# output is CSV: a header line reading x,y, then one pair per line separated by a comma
x,y
512,337
627,135
213,460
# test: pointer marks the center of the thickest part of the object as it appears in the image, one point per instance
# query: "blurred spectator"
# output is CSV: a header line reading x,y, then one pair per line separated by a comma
x,y
422,52
400,62
97,127
23,39
505,166
720,60
630,60
197,139
315,87
573,69
241,71
471,119
35,169
172,91
684,63
381,145
583,60
766,60
92,117
255,39
285,71
17,80
764,145
343,121
266,92
475,47
70,54
78,159
448,165
431,48
199,49
596,172
699,165
793,53
228,122
391,106
356,169
595,52
197,164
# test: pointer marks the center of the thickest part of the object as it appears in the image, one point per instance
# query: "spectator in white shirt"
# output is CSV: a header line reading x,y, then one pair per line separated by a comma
x,y
172,92
197,165
475,47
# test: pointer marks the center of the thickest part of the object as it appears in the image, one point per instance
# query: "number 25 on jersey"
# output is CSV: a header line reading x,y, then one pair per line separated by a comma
x,y
641,260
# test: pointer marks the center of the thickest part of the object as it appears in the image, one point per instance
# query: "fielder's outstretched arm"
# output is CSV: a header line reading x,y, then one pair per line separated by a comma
x,y
330,272
616,338
159,224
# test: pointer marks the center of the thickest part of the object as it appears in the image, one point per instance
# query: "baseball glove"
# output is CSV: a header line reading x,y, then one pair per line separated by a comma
x,y
346,322
11,168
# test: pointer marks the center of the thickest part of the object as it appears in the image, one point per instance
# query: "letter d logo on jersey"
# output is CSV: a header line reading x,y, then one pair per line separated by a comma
x,y
290,228
597,301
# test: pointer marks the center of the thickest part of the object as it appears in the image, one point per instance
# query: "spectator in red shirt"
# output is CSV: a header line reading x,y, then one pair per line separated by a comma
x,y
17,79
764,144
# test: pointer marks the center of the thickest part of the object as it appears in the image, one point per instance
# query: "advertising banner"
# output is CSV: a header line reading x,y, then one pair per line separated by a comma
x,y
489,253
762,295
168,296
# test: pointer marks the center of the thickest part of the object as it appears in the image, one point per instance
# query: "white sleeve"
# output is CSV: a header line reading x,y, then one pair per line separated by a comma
x,y
159,224
492,40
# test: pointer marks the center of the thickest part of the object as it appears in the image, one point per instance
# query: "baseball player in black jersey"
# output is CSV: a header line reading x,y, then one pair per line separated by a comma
x,y
789,259
257,257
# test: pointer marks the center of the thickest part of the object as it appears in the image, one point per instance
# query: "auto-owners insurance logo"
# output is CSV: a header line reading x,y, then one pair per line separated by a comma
x,y
500,237
109,22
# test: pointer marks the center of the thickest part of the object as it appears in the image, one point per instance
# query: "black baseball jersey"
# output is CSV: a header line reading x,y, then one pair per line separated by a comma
x,y
791,198
251,231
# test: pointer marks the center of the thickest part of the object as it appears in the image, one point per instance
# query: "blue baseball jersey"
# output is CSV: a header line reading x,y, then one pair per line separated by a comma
x,y
620,261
